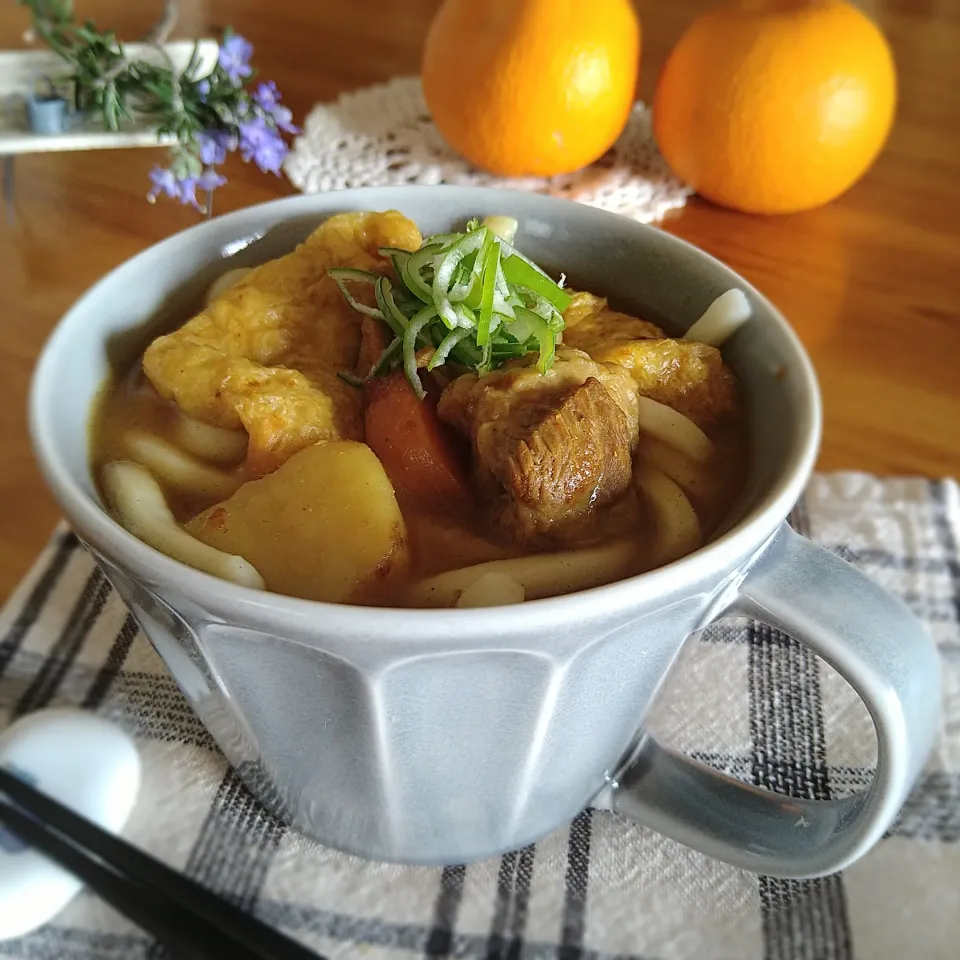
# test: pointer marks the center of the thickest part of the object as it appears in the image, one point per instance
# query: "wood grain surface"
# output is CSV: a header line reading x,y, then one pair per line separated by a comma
x,y
871,282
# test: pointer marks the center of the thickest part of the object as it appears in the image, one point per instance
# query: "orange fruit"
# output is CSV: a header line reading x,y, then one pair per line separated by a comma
x,y
773,106
531,87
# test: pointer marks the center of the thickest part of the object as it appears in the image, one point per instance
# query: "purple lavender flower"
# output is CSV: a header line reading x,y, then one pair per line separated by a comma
x,y
262,144
164,181
253,122
267,95
234,58
183,189
188,192
210,180
215,145
283,118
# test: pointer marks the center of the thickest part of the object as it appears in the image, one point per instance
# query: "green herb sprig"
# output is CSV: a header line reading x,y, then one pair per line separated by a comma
x,y
207,116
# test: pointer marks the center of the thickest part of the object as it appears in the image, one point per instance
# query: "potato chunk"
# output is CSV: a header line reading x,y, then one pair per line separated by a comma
x,y
322,526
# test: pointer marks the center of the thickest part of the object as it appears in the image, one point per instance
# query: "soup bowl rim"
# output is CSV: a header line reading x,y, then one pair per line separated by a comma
x,y
97,528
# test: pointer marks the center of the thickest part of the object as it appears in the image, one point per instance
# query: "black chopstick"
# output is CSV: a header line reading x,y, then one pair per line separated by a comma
x,y
194,939
168,905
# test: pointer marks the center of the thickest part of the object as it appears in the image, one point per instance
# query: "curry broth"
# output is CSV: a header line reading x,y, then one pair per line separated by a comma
x,y
587,505
441,538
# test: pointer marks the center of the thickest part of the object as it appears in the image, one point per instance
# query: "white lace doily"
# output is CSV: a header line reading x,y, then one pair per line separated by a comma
x,y
383,135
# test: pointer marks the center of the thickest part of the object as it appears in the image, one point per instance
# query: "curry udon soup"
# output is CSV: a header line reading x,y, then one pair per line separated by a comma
x,y
382,418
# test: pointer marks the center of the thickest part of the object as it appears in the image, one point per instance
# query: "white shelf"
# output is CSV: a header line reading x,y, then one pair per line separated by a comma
x,y
20,71
18,141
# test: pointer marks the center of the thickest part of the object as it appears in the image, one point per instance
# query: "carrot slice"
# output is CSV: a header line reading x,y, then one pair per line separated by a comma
x,y
417,451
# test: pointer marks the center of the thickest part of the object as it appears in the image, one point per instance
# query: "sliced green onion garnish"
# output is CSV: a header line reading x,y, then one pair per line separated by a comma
x,y
410,348
486,361
470,275
467,353
342,275
522,274
444,286
473,297
442,239
447,314
548,348
351,378
383,362
491,261
481,265
411,272
385,358
398,257
509,250
389,311
546,339
352,273
522,328
446,345
465,316
502,306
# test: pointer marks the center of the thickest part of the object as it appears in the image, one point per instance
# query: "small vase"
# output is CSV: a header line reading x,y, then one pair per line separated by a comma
x,y
48,115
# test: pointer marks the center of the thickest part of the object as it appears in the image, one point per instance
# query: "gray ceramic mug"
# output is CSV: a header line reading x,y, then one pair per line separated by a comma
x,y
443,736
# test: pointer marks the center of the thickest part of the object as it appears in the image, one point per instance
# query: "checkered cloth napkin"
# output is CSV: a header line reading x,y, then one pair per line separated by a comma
x,y
744,698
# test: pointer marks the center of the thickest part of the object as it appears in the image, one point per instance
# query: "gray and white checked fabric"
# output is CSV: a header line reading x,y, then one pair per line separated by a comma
x,y
744,698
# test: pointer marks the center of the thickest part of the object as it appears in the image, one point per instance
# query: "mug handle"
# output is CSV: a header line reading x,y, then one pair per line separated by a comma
x,y
880,649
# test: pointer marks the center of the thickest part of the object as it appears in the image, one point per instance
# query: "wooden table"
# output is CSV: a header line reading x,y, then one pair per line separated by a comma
x,y
871,282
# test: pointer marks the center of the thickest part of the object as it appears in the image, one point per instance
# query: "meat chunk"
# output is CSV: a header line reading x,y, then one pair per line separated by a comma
x,y
547,449
688,376
469,398
266,353
589,323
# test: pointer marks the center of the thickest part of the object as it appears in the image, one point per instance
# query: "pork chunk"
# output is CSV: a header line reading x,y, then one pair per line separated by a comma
x,y
266,353
547,449
469,398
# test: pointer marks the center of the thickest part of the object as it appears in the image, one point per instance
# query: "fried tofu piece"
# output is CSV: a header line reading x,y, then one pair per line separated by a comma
x,y
266,353
690,377
589,324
